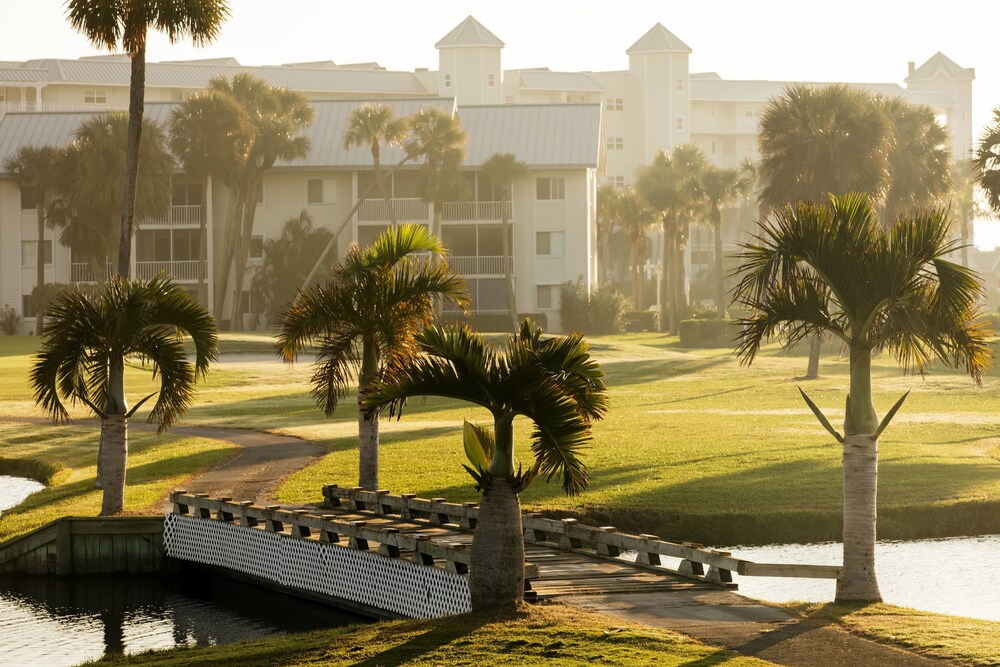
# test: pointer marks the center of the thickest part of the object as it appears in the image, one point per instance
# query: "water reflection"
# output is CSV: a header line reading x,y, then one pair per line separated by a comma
x,y
13,490
63,622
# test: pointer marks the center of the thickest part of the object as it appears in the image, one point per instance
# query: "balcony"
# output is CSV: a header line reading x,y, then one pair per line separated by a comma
x,y
182,271
175,216
470,211
710,125
484,265
407,210
80,272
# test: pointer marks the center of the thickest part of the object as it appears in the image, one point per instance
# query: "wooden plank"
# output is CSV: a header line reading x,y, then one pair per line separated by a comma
x,y
790,570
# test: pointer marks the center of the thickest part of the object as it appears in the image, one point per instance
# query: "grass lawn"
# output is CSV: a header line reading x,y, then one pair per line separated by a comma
x,y
538,635
694,446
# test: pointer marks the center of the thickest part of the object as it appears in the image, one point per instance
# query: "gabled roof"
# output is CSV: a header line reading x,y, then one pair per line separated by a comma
x,y
659,40
540,135
543,80
197,76
940,63
469,32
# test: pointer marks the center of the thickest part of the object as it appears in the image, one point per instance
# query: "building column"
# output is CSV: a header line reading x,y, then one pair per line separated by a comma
x,y
209,255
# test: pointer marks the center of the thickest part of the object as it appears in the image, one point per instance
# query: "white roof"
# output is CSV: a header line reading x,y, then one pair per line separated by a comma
x,y
939,63
545,80
658,40
722,90
469,32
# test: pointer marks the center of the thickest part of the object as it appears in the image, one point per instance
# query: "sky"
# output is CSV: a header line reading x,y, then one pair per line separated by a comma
x,y
796,40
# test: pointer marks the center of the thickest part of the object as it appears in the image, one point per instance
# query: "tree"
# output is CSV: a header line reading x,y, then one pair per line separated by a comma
x,y
85,348
608,216
287,260
372,125
439,139
502,169
122,26
210,137
832,268
986,166
34,170
636,219
365,320
90,182
671,186
553,382
721,188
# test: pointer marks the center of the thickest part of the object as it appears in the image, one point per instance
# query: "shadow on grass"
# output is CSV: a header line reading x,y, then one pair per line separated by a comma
x,y
435,637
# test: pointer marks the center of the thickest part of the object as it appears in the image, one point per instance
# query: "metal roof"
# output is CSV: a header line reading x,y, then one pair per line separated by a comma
x,y
659,40
23,75
197,76
721,90
469,32
540,135
544,80
940,63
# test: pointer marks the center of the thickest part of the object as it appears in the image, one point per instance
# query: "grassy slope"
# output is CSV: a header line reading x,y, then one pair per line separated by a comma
x,y
539,635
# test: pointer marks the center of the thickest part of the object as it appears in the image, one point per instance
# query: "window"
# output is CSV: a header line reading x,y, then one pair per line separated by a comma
x,y
447,80
617,181
257,246
491,80
95,96
546,297
614,104
29,198
748,113
186,245
550,188
27,306
615,143
550,244
259,193
321,191
253,302
679,85
680,123
29,253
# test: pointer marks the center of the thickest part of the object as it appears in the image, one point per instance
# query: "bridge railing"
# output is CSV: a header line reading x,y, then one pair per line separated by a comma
x,y
604,541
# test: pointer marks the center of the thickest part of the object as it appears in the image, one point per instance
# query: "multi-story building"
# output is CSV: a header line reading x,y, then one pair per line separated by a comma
x,y
572,129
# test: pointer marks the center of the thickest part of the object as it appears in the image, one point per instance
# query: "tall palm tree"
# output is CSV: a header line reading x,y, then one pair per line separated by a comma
x,y
373,125
365,319
438,138
85,348
503,169
117,25
554,382
832,268
210,136
986,164
608,216
671,186
34,167
721,188
637,219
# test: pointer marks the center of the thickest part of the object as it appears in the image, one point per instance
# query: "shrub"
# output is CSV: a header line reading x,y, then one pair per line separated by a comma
x,y
492,322
706,333
716,330
690,332
696,312
9,320
601,312
641,320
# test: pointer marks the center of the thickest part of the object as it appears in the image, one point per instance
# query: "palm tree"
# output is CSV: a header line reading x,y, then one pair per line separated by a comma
x,y
373,125
986,165
439,139
210,137
502,169
721,188
671,186
637,219
608,216
832,268
365,319
554,382
122,26
34,168
85,348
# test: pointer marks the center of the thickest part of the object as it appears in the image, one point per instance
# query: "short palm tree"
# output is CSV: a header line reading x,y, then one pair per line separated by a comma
x,y
831,268
115,25
365,320
553,382
608,216
986,162
438,141
373,125
87,343
503,169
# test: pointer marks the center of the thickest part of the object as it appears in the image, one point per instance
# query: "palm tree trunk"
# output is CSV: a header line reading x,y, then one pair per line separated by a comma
x,y
114,448
815,346
368,429
243,253
665,275
507,273
636,286
234,217
720,279
858,580
679,304
137,88
496,570
203,243
380,179
40,265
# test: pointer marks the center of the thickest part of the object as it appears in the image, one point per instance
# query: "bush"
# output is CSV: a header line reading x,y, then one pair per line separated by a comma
x,y
706,333
9,321
492,322
690,333
717,330
696,312
641,320
600,312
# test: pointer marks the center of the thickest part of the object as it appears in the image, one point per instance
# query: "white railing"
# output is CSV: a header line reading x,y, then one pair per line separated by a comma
x,y
475,210
12,106
738,125
407,210
80,272
183,271
175,216
480,266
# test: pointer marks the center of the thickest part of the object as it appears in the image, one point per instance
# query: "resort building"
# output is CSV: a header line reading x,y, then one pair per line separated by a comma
x,y
573,130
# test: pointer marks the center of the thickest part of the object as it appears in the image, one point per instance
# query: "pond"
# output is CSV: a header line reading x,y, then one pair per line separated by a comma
x,y
64,622
13,490
956,575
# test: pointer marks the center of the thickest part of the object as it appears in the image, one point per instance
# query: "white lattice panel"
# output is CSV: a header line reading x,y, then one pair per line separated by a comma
x,y
389,584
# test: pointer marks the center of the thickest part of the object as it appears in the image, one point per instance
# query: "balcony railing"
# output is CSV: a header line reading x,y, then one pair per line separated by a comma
x,y
475,210
722,125
480,265
176,216
80,272
407,210
182,271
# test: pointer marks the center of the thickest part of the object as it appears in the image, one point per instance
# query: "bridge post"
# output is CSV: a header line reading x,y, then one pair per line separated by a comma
x,y
404,512
419,556
245,518
299,530
468,522
222,514
386,549
646,557
603,548
327,535
566,541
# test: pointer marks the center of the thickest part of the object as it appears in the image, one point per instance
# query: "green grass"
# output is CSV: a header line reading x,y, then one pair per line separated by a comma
x,y
538,635
967,640
156,465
